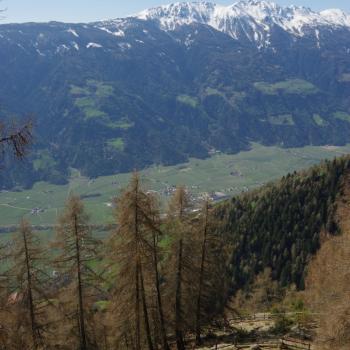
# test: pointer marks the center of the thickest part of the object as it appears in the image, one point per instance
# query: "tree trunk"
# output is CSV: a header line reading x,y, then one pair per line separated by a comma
x,y
137,284
201,279
178,308
145,312
83,342
159,297
30,292
137,310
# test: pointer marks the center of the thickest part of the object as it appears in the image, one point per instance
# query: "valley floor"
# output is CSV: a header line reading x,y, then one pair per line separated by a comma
x,y
220,176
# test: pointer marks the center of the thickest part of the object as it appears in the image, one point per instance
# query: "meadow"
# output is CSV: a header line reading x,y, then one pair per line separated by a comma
x,y
227,174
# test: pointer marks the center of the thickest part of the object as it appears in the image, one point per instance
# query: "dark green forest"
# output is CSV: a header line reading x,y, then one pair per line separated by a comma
x,y
280,225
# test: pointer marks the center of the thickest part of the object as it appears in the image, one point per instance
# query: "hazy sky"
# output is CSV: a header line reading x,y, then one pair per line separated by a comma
x,y
91,10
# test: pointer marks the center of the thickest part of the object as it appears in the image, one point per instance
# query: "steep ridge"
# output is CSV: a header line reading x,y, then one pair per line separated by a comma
x,y
281,226
251,19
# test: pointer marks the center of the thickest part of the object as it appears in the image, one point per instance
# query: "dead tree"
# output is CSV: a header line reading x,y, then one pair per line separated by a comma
x,y
17,138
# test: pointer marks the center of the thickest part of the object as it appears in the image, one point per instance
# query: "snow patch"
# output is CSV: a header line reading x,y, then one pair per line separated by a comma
x,y
75,45
317,34
118,32
40,53
62,48
125,46
73,32
93,45
21,47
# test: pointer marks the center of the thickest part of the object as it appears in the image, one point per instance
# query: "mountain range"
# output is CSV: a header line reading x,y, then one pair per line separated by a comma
x,y
253,19
173,82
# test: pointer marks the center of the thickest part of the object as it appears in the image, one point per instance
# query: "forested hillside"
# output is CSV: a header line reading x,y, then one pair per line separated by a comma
x,y
109,97
160,279
280,226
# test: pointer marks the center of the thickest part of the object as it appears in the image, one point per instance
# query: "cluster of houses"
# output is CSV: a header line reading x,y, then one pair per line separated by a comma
x,y
37,211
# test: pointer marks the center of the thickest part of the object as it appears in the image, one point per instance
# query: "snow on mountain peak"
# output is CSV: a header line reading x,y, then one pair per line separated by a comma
x,y
173,15
255,18
336,16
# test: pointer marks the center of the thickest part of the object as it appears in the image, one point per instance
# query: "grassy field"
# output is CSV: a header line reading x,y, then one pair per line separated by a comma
x,y
291,86
230,174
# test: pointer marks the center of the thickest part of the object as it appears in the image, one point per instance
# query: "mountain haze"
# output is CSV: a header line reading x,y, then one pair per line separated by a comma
x,y
173,82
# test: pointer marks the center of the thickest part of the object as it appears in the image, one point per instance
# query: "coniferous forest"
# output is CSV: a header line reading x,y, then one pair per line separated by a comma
x,y
161,278
153,281
280,226
206,100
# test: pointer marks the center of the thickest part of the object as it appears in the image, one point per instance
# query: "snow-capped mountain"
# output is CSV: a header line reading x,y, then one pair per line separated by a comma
x,y
175,82
252,18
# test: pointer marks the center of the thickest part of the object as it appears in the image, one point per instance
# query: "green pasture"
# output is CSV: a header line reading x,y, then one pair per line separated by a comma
x,y
229,174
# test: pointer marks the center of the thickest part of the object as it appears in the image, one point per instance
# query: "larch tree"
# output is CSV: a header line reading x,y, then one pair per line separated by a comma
x,y
78,251
153,221
28,294
131,256
213,252
180,265
204,227
5,291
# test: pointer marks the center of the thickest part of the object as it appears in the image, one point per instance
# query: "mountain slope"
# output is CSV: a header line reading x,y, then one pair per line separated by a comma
x,y
280,226
123,94
327,289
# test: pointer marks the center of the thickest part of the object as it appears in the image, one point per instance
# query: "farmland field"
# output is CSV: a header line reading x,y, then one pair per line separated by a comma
x,y
226,174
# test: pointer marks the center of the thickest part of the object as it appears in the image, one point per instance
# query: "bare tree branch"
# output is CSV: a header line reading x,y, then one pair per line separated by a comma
x,y
18,138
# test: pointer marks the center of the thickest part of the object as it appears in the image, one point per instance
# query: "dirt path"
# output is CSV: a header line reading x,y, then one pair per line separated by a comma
x,y
13,207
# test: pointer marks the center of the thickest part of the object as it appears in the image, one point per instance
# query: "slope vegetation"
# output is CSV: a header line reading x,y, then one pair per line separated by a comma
x,y
279,226
110,97
327,283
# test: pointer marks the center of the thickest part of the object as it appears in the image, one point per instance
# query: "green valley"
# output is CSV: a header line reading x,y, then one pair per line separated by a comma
x,y
225,175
